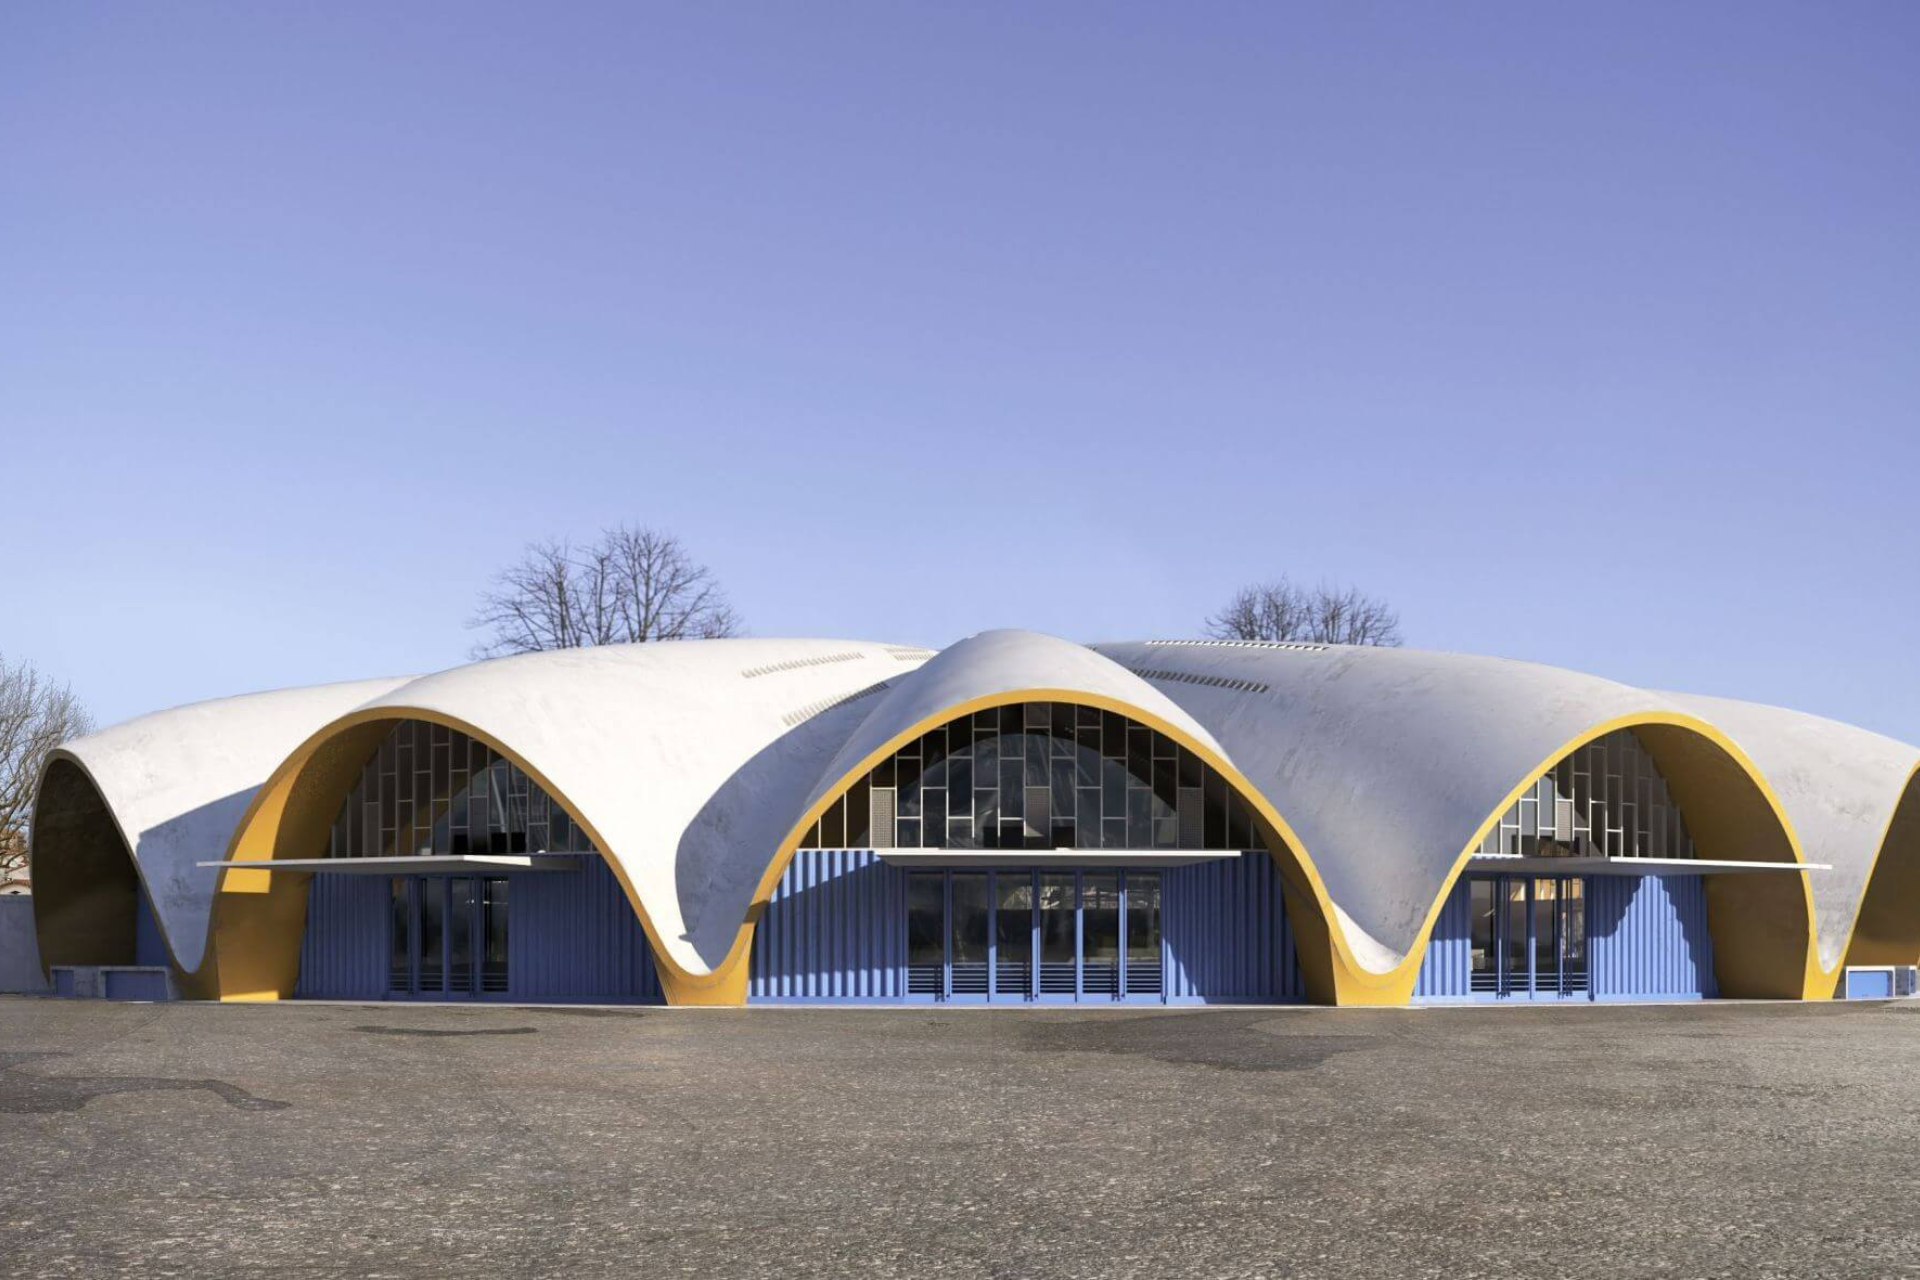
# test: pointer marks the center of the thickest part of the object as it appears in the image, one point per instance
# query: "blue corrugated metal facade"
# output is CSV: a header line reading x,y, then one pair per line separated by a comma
x,y
835,930
1647,936
1646,939
1228,938
344,952
571,936
574,936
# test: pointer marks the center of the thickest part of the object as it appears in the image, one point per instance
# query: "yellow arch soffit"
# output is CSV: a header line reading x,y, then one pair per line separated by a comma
x,y
1906,797
188,979
729,974
1409,969
264,812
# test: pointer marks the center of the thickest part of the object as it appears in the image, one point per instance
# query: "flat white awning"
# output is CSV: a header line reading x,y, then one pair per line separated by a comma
x,y
1632,866
1051,857
456,864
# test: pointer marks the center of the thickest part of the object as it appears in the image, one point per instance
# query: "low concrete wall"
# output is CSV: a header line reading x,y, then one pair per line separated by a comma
x,y
19,954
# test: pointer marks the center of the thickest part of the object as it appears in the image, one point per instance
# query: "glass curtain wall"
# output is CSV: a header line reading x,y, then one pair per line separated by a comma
x,y
1039,775
1606,799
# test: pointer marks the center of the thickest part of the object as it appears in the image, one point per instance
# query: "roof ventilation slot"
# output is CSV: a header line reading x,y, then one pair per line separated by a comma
x,y
908,653
801,714
794,664
1212,682
1293,646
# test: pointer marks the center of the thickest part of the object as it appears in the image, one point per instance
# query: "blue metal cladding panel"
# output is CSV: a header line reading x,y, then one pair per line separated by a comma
x,y
343,954
1446,972
1227,934
149,947
835,929
574,936
1647,937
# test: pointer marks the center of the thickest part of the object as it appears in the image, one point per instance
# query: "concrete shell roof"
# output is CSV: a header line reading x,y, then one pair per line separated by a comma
x,y
177,782
1386,762
688,761
694,763
1839,785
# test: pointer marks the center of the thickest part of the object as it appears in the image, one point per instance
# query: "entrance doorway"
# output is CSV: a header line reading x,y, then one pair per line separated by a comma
x,y
449,937
1529,936
1043,936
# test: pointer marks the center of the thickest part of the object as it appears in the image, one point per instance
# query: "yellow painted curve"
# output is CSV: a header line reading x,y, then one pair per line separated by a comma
x,y
1333,975
1762,926
258,917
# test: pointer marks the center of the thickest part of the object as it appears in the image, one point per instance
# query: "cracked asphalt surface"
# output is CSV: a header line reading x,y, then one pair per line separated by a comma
x,y
337,1140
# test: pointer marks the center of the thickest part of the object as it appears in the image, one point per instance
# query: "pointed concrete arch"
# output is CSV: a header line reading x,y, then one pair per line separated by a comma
x,y
1004,668
678,760
1886,930
1762,925
144,802
1393,763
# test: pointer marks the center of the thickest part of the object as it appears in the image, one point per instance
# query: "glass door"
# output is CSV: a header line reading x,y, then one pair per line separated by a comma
x,y
447,937
1527,936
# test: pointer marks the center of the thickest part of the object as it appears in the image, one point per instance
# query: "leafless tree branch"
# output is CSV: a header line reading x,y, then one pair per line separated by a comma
x,y
35,717
1324,614
632,586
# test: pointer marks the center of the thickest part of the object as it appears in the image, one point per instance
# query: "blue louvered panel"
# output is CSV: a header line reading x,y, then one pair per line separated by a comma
x,y
1647,937
1446,972
574,936
343,953
1227,935
835,929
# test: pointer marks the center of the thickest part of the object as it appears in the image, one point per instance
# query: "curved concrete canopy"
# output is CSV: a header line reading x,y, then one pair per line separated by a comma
x,y
684,761
176,782
1389,763
1839,785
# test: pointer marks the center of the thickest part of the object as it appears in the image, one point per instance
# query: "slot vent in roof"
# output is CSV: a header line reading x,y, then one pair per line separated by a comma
x,y
1211,682
908,653
794,664
800,715
1294,646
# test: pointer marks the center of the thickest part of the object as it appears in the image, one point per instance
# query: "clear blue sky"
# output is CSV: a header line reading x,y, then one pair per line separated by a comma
x,y
1588,335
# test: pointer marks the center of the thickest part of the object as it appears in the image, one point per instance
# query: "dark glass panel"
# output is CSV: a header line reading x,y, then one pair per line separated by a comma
x,y
926,918
1481,924
1056,918
433,930
460,957
493,961
1100,915
970,923
400,975
934,818
833,826
1139,818
1143,916
1113,735
859,815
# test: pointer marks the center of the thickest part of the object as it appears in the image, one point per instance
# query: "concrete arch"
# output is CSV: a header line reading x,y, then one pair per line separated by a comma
x,y
1762,925
87,884
677,760
259,917
1886,928
1002,668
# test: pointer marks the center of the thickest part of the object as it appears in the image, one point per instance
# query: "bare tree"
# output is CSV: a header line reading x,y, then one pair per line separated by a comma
x,y
632,585
1324,614
35,717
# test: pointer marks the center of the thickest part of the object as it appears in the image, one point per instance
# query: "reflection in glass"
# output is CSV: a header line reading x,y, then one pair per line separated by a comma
x,y
400,971
1143,916
970,917
1481,924
493,963
1516,966
1056,918
1100,915
1546,948
1013,931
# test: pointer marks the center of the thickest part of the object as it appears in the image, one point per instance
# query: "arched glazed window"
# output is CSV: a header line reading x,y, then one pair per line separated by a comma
x,y
1606,799
1040,775
431,790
